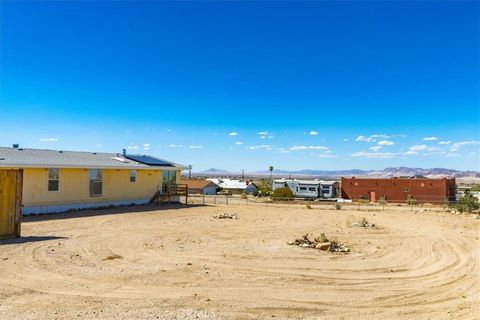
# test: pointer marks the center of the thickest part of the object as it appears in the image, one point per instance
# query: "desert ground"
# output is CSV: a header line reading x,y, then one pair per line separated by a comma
x,y
179,263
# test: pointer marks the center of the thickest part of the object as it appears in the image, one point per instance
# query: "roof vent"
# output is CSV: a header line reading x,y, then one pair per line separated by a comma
x,y
15,145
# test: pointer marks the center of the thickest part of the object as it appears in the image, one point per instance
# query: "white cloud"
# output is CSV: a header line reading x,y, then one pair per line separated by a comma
x,y
457,145
326,155
419,147
313,133
346,139
146,146
132,147
365,139
263,146
385,143
375,148
445,142
238,142
232,134
372,138
375,155
300,148
48,139
263,133
184,146
430,139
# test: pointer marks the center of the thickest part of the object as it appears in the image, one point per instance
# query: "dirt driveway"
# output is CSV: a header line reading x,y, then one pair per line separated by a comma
x,y
144,263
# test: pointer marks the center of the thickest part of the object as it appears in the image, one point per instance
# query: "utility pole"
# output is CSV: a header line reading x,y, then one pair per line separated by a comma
x,y
243,174
189,171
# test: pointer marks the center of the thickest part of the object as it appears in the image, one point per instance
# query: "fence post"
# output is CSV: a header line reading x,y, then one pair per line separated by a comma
x,y
203,199
215,199
226,199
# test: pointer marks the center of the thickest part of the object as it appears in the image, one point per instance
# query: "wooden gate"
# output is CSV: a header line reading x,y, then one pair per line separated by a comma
x,y
10,203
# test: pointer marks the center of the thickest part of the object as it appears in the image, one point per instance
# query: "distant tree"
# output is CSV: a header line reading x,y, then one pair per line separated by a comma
x,y
271,171
282,193
467,203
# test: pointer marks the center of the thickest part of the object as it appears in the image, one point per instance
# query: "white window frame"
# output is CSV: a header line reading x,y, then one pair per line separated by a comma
x,y
134,176
48,179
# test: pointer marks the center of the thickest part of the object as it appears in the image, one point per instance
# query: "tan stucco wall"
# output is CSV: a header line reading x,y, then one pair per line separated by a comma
x,y
74,186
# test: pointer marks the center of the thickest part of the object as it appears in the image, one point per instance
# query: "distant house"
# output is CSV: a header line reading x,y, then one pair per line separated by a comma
x,y
235,186
420,189
308,188
200,186
58,181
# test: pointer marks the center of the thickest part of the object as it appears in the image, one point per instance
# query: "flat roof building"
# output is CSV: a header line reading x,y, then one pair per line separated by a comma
x,y
419,189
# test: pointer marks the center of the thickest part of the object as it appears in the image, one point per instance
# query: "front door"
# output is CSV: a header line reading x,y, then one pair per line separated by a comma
x,y
372,196
10,203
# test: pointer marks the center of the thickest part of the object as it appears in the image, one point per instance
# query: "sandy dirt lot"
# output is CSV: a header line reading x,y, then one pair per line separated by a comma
x,y
145,263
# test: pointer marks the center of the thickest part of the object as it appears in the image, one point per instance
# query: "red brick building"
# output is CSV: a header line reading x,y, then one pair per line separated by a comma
x,y
399,189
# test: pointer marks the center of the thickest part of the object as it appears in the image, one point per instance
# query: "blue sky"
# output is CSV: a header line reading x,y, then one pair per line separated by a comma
x,y
245,85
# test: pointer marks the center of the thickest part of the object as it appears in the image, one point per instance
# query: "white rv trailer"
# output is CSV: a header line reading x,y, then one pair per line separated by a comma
x,y
308,188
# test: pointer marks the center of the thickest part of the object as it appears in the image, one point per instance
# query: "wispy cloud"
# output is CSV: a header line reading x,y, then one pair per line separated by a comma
x,y
263,146
232,134
146,146
375,148
313,133
374,155
445,142
48,139
419,147
263,133
457,145
326,155
185,146
372,138
430,139
386,143
239,142
300,148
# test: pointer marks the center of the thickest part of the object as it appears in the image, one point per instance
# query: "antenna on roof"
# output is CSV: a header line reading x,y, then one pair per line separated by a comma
x,y
124,152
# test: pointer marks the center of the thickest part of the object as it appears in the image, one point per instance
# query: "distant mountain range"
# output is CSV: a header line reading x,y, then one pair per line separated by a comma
x,y
387,172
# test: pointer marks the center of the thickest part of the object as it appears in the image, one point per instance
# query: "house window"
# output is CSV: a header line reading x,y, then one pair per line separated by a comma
x,y
312,189
303,188
133,175
53,179
405,190
96,182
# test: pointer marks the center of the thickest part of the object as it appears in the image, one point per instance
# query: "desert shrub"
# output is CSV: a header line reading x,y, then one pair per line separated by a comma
x,y
282,193
382,202
467,203
308,205
338,206
243,195
411,201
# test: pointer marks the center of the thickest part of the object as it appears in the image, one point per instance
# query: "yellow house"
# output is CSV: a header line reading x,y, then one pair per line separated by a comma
x,y
58,181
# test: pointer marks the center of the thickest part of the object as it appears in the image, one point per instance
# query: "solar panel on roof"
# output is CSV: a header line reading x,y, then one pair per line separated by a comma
x,y
149,160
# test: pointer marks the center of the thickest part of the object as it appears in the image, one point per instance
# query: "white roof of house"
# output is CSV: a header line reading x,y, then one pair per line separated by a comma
x,y
230,183
312,182
38,158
